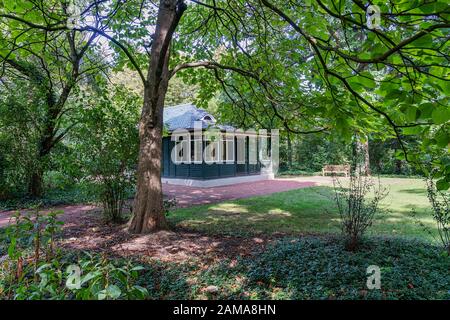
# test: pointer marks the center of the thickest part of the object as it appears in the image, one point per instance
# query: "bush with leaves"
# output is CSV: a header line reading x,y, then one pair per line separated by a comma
x,y
440,204
20,116
104,147
32,267
28,241
357,203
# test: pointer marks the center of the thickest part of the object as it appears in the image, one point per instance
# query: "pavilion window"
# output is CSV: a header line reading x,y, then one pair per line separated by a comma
x,y
182,149
197,149
241,154
252,149
213,147
228,148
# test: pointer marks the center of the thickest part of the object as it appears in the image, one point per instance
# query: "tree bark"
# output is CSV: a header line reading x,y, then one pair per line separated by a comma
x,y
365,148
398,166
148,209
48,136
361,156
36,184
289,150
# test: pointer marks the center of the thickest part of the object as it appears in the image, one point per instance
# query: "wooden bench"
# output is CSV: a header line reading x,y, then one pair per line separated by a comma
x,y
336,168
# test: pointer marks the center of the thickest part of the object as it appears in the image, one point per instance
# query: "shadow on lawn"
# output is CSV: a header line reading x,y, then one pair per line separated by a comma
x,y
182,264
415,191
303,211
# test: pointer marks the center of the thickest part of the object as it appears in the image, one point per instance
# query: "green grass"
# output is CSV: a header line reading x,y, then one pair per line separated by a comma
x,y
311,210
308,267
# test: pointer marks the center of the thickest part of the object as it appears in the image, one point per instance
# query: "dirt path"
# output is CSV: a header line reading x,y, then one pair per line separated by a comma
x,y
70,212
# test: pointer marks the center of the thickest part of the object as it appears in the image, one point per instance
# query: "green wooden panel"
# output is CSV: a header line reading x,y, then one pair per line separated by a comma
x,y
227,170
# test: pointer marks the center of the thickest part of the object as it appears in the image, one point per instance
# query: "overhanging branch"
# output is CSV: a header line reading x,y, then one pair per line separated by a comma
x,y
60,27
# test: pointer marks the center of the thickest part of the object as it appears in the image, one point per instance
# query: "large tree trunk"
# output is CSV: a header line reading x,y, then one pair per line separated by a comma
x,y
36,184
49,138
365,148
361,156
289,150
148,210
46,144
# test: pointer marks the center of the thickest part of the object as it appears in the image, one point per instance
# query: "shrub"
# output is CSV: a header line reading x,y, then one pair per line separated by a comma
x,y
355,208
34,268
112,193
440,204
105,147
30,238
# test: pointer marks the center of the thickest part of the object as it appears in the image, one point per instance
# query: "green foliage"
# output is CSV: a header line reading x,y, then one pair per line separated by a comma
x,y
30,238
32,229
76,193
103,149
440,203
329,71
19,116
321,269
311,152
100,279
384,160
35,268
41,73
295,172
309,268
180,92
291,268
356,210
105,279
316,65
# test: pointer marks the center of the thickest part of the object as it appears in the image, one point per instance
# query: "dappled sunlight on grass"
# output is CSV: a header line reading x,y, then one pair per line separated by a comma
x,y
279,212
311,210
229,207
393,219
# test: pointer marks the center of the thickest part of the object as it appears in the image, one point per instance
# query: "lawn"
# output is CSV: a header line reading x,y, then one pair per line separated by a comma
x,y
311,211
218,249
